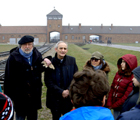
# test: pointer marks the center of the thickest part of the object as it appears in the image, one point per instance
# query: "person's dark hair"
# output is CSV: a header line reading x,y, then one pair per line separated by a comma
x,y
101,62
88,88
126,72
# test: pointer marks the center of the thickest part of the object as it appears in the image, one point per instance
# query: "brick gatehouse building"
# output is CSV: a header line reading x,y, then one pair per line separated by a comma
x,y
73,34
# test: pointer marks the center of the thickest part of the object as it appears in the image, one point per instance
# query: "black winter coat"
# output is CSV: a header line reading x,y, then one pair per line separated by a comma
x,y
58,80
22,82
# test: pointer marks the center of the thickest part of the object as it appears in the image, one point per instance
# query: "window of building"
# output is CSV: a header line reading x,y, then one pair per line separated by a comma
x,y
73,37
3,37
50,17
76,38
58,25
19,36
79,38
49,25
66,37
55,18
84,37
59,17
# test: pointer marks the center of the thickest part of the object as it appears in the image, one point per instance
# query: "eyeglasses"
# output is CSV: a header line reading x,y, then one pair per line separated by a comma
x,y
94,59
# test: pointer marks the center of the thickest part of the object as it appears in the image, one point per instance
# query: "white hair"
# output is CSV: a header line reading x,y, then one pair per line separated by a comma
x,y
56,46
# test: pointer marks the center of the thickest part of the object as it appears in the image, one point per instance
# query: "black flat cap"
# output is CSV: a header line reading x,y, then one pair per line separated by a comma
x,y
26,39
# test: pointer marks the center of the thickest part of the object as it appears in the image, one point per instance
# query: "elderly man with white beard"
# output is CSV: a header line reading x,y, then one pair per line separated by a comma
x,y
23,78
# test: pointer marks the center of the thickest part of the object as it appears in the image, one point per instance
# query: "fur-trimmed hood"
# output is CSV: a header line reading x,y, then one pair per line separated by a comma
x,y
105,67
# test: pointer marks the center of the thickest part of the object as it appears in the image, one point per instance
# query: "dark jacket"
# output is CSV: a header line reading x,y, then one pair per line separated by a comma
x,y
122,84
22,82
131,100
133,114
58,80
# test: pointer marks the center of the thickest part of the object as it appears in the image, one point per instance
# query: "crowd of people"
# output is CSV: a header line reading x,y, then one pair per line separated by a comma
x,y
71,94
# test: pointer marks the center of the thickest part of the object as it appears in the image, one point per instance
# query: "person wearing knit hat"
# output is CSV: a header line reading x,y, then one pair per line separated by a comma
x,y
133,114
134,95
6,107
97,62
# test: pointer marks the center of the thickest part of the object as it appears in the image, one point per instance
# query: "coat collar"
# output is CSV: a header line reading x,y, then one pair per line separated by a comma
x,y
18,57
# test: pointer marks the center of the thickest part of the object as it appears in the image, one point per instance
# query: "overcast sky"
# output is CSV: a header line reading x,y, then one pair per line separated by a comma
x,y
86,12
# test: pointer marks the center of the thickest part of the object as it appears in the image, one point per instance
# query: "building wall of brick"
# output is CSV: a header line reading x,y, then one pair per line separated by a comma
x,y
78,38
121,38
54,26
5,38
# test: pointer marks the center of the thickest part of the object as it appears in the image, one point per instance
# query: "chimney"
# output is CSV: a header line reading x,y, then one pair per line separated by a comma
x,y
111,26
79,25
101,25
68,26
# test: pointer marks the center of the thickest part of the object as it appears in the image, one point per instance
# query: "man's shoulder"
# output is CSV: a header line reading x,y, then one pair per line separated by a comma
x,y
70,57
14,50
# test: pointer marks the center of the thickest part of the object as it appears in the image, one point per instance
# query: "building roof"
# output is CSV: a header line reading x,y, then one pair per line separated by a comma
x,y
101,30
23,29
54,12
71,29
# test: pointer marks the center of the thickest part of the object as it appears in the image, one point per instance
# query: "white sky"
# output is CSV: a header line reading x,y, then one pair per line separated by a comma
x,y
86,12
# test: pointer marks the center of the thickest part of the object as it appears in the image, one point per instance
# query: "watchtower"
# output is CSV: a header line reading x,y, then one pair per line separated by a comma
x,y
54,23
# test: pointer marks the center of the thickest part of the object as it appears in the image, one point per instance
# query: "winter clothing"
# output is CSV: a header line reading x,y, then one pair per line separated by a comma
x,y
0,89
23,82
136,73
97,55
26,39
133,114
131,100
133,96
6,107
104,67
122,83
89,113
59,80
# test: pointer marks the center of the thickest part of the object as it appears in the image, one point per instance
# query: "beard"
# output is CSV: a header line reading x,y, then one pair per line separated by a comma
x,y
27,50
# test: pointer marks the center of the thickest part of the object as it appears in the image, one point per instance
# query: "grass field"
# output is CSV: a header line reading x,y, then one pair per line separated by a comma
x,y
111,55
6,47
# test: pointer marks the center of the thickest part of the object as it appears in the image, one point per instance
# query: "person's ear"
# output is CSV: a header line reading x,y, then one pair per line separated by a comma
x,y
72,101
56,49
104,99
